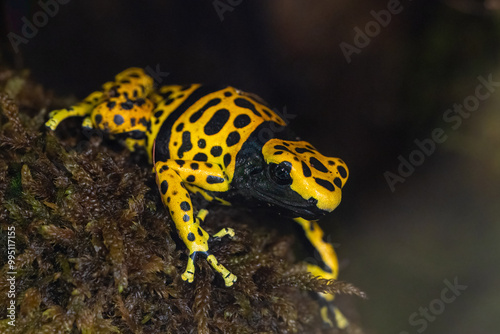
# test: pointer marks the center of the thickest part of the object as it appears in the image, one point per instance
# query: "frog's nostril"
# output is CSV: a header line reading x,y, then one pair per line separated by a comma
x,y
312,201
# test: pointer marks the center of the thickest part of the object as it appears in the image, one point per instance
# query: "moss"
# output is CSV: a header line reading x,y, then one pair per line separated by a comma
x,y
96,253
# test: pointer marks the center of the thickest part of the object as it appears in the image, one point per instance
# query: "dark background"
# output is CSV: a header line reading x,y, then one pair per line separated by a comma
x,y
399,246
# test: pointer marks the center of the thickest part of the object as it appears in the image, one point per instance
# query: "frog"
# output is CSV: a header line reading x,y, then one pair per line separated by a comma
x,y
225,145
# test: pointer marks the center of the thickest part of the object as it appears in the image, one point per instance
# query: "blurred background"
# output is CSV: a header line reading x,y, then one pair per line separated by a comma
x,y
356,88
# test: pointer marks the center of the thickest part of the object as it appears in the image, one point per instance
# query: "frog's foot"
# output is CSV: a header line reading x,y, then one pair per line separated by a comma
x,y
331,315
199,249
188,275
340,319
225,231
55,117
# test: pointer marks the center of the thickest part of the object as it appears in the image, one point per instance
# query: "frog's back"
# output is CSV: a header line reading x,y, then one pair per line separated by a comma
x,y
203,123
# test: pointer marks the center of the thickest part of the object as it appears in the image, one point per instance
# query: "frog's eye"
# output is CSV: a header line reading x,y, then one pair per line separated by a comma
x,y
280,173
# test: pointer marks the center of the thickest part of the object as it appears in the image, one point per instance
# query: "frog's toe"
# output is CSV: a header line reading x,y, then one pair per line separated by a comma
x,y
331,315
188,275
225,231
340,319
87,123
229,278
54,112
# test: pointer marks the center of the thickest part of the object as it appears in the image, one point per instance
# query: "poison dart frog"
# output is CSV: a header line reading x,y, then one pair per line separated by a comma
x,y
215,141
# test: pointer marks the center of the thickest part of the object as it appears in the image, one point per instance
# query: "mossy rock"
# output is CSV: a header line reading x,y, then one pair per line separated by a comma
x,y
95,251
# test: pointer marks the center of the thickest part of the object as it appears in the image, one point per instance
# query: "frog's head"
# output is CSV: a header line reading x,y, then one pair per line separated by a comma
x,y
297,178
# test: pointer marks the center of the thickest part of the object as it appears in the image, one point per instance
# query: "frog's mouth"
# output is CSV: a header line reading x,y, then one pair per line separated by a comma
x,y
294,207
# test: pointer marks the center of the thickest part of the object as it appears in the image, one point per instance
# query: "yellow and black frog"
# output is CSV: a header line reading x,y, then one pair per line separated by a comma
x,y
211,141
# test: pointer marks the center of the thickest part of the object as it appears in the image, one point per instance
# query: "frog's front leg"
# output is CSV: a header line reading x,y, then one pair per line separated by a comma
x,y
315,235
170,177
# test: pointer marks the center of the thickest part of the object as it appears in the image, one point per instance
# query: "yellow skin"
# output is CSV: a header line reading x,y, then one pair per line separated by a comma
x,y
208,141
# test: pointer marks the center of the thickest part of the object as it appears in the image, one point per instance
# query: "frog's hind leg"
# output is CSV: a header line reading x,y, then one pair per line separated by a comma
x,y
83,109
315,235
